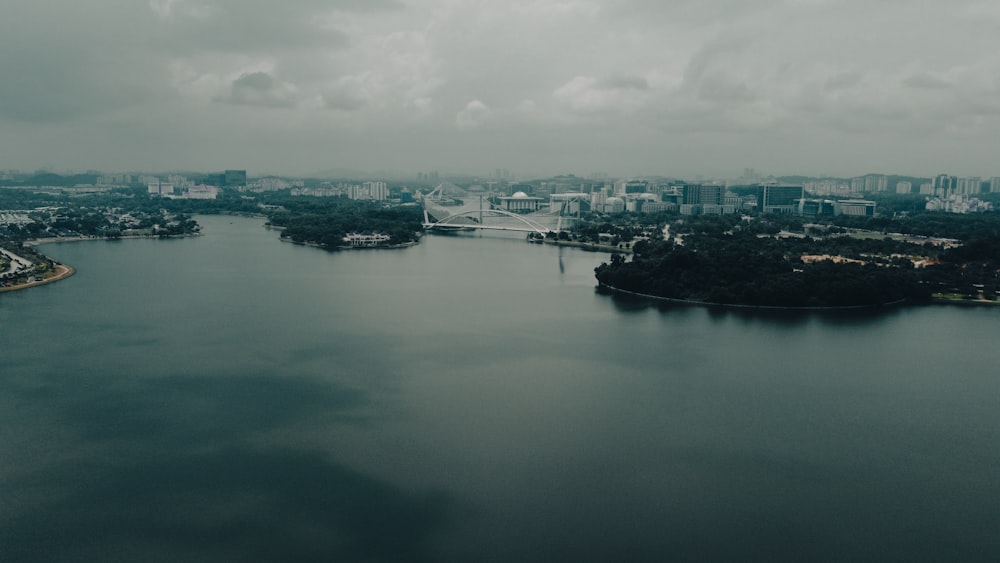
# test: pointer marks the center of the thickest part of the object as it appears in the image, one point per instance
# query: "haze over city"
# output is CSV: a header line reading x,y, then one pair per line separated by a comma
x,y
625,87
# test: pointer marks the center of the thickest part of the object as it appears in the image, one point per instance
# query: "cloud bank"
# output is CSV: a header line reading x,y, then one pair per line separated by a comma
x,y
684,88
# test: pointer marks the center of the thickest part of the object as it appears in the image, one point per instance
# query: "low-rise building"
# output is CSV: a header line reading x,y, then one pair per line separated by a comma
x,y
366,239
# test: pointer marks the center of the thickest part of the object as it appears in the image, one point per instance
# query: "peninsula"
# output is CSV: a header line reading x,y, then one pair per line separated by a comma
x,y
712,261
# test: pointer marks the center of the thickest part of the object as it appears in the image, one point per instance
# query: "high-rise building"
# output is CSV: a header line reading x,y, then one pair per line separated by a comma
x,y
378,191
623,187
944,185
778,198
160,189
995,184
904,187
870,183
971,185
598,198
857,185
876,183
699,194
235,178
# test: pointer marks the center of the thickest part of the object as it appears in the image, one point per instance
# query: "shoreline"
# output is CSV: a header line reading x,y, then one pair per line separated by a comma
x,y
332,248
693,302
52,240
62,272
962,302
594,247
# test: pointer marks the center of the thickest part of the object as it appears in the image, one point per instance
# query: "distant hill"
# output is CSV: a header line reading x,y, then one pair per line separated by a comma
x,y
53,179
892,179
341,174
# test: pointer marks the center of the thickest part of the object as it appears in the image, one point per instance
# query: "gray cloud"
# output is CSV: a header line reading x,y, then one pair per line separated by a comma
x,y
925,80
343,101
235,27
625,83
261,89
519,77
47,88
844,80
716,88
56,68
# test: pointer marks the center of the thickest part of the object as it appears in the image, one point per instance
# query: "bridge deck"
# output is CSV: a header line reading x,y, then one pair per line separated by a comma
x,y
462,226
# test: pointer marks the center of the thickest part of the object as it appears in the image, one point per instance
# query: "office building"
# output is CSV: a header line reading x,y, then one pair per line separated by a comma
x,y
778,198
235,178
698,194
944,185
161,189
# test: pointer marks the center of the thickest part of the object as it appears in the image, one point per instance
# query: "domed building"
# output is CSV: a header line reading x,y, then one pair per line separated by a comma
x,y
614,204
520,202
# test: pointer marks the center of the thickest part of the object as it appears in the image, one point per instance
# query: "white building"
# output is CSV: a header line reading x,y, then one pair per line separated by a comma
x,y
958,203
614,205
201,191
366,240
268,184
598,198
160,189
520,202
971,185
870,183
854,207
378,191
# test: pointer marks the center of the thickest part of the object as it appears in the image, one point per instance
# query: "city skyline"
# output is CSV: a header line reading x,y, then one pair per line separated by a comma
x,y
870,182
630,87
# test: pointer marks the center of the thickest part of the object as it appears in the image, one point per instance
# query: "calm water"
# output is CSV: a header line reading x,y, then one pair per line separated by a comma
x,y
233,398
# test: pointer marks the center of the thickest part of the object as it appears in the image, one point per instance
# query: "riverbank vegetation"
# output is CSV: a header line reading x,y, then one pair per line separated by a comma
x,y
323,221
759,262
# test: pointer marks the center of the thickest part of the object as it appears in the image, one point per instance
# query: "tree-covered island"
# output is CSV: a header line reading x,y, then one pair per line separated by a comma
x,y
331,222
776,261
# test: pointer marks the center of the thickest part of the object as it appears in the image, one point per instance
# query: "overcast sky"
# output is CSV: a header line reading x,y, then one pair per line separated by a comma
x,y
627,87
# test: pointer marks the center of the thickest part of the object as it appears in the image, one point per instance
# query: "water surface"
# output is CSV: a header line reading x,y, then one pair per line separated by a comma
x,y
232,397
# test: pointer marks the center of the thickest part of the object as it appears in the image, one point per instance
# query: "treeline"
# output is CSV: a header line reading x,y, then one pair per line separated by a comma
x,y
325,221
52,179
322,221
929,223
746,270
734,261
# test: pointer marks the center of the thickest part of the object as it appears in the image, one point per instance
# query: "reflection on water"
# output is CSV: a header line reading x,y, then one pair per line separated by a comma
x,y
231,397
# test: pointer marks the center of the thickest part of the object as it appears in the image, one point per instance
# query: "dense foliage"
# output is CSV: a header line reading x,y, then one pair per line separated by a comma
x,y
747,270
321,221
325,221
731,261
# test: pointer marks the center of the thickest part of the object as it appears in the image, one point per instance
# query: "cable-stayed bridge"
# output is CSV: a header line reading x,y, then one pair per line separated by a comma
x,y
455,218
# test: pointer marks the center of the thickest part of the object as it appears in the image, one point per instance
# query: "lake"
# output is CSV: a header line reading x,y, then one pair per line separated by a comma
x,y
231,397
